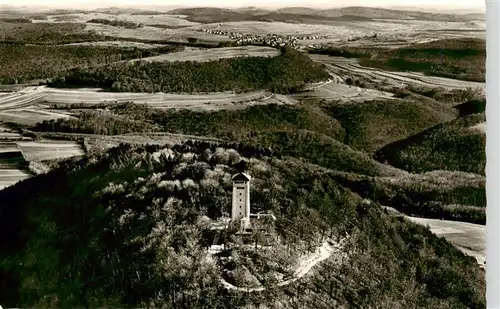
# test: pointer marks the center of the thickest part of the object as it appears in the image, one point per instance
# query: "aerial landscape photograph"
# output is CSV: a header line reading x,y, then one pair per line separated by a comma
x,y
322,154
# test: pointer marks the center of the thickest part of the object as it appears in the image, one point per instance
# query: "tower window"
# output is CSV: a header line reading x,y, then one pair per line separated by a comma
x,y
240,200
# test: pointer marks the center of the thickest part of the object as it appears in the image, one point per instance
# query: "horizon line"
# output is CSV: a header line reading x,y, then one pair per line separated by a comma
x,y
91,6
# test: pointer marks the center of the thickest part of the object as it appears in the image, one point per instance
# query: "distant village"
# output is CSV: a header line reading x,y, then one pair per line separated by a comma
x,y
271,39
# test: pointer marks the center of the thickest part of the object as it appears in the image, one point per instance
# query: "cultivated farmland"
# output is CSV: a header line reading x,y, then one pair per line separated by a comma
x,y
339,91
481,127
154,33
30,116
118,44
11,164
342,66
32,96
163,19
8,134
39,151
407,30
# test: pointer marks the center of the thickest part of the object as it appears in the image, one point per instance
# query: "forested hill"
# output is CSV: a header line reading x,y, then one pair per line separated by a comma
x,y
125,229
287,73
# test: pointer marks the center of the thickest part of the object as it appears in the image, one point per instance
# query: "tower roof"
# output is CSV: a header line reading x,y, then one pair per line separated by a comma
x,y
241,177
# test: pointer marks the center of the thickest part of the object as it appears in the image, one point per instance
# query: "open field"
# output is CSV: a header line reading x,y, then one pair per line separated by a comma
x,y
8,134
339,91
30,116
199,55
11,161
10,156
118,44
155,33
469,238
164,19
386,30
351,66
30,96
9,177
49,150
8,147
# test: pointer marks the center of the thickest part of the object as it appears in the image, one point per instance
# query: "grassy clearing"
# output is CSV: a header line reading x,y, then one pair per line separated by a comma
x,y
449,146
10,176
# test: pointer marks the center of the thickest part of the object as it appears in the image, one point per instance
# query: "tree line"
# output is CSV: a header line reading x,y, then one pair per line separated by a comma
x,y
115,23
21,63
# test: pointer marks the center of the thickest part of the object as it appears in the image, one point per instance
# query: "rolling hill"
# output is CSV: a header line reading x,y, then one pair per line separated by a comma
x,y
352,13
458,145
373,124
311,134
125,229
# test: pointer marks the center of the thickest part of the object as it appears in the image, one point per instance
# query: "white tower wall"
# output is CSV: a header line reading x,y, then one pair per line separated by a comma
x,y
241,200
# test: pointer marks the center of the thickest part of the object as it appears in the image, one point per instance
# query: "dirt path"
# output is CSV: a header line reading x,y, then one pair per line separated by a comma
x,y
305,265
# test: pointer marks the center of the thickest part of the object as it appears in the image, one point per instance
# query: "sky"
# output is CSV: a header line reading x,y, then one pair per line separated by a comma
x,y
441,4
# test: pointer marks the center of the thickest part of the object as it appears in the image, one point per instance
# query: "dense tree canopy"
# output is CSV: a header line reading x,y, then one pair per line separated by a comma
x,y
286,73
116,23
21,63
124,229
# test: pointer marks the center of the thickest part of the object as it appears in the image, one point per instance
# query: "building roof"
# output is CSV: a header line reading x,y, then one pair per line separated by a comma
x,y
241,177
